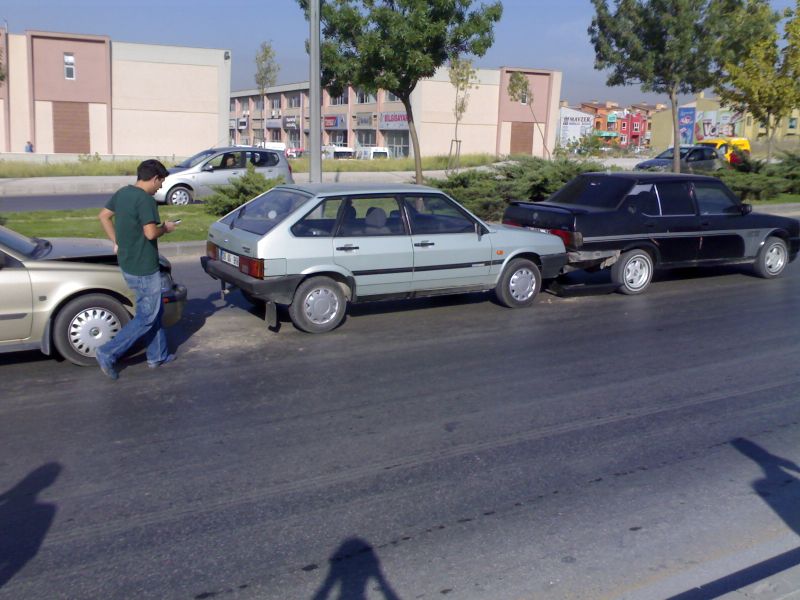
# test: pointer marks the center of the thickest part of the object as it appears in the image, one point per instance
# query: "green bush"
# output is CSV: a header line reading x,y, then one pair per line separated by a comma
x,y
754,186
238,191
788,168
2,220
487,192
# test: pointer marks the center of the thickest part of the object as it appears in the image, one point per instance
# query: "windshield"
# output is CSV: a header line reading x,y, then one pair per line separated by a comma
x,y
196,159
597,191
19,243
265,211
709,144
668,153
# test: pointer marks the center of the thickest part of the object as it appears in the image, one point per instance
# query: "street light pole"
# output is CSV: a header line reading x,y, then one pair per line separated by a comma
x,y
315,98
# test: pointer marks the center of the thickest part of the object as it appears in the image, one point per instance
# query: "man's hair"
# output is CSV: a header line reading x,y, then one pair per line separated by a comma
x,y
150,168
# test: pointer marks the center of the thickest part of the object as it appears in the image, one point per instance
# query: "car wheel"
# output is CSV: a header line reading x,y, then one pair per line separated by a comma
x,y
519,283
772,258
179,196
633,272
86,323
318,305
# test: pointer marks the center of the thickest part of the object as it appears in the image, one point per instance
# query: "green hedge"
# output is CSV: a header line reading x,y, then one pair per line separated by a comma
x,y
756,180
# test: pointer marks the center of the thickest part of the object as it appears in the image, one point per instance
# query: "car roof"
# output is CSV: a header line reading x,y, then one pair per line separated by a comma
x,y
650,176
241,148
326,189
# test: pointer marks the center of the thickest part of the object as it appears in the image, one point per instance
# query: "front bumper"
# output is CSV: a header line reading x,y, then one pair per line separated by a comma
x,y
552,264
174,301
278,289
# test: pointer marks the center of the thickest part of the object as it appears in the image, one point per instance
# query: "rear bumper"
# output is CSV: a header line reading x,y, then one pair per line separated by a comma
x,y
552,265
272,289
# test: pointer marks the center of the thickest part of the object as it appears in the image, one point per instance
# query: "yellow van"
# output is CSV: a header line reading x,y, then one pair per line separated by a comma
x,y
726,146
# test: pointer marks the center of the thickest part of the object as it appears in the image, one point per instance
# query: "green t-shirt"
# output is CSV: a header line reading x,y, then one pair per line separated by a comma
x,y
133,209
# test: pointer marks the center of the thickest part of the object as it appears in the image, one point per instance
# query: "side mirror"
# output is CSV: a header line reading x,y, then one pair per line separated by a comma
x,y
746,208
208,168
479,230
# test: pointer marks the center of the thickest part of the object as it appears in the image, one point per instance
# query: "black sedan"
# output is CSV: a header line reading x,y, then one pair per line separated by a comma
x,y
635,222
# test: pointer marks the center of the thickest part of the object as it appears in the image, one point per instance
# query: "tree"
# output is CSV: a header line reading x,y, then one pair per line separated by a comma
x,y
519,90
462,76
392,44
266,67
767,81
674,46
2,71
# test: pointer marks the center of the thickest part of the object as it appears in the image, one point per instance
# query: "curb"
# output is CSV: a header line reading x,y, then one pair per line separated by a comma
x,y
182,249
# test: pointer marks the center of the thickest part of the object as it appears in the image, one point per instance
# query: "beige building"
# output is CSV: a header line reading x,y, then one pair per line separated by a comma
x,y
492,123
84,94
707,118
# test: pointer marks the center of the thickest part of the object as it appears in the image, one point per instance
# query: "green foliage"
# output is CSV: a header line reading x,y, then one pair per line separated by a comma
x,y
754,186
462,77
2,220
392,44
487,192
266,67
18,169
84,159
238,191
789,169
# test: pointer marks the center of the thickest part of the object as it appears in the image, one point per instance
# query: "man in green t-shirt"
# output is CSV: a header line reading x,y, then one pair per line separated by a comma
x,y
130,220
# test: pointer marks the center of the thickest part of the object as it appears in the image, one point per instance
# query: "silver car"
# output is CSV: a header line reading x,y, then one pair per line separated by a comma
x,y
693,159
196,176
317,247
68,294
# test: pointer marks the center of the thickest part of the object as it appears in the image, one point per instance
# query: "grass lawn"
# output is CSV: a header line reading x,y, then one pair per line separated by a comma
x,y
84,223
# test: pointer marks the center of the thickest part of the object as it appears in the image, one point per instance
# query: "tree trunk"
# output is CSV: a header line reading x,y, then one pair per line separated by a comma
x,y
541,133
676,132
412,130
769,137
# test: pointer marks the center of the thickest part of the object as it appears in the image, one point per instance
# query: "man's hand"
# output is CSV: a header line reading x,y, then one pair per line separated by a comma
x,y
169,226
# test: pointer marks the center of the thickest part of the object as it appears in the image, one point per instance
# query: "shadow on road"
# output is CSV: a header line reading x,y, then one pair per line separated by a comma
x,y
352,567
24,522
780,491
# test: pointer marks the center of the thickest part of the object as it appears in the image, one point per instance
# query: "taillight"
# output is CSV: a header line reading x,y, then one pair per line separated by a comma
x,y
212,251
254,267
571,239
512,222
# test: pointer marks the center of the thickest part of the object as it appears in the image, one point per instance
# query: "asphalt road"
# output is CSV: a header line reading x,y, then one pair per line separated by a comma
x,y
52,202
595,447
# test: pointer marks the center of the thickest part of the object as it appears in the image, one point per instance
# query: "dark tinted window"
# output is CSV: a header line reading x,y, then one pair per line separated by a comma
x,y
593,190
265,211
668,153
321,221
436,214
675,198
714,199
263,159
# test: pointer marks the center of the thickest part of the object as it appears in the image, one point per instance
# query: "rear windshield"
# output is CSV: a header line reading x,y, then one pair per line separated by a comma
x,y
265,211
595,191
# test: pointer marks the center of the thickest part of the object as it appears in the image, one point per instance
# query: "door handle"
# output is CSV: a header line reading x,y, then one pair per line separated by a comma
x,y
705,224
347,248
424,244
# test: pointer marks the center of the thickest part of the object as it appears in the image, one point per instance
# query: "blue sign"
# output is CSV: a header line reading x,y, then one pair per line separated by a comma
x,y
686,125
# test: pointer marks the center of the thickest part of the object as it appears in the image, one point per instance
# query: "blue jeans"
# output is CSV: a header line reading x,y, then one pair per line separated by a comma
x,y
146,323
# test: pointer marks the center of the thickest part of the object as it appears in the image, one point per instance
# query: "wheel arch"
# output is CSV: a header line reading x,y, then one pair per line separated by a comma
x,y
650,247
346,281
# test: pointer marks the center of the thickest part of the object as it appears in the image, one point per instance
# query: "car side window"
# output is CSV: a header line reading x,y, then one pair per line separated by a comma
x,y
321,221
713,199
226,160
675,199
694,156
642,198
261,160
371,216
436,214
710,154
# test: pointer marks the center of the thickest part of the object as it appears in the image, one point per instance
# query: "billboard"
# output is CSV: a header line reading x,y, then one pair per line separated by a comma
x,y
686,118
573,125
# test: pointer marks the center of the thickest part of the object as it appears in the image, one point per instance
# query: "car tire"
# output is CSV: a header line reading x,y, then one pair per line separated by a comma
x,y
318,306
772,258
519,283
86,323
633,272
180,196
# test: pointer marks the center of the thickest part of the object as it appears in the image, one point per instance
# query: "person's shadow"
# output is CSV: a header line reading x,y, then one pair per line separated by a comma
x,y
352,566
778,488
24,521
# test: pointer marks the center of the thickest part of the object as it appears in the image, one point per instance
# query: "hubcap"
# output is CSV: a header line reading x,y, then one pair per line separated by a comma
x,y
91,328
321,306
776,259
180,197
522,284
637,273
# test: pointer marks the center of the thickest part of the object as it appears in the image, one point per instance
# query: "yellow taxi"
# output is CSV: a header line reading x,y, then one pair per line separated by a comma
x,y
726,146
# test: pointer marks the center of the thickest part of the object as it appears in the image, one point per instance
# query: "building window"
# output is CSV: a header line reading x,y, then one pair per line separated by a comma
x,y
636,126
293,139
397,142
365,137
390,97
339,100
258,104
233,106
293,101
363,97
523,99
245,140
792,122
258,137
275,135
338,138
69,65
749,121
623,126
623,139
275,103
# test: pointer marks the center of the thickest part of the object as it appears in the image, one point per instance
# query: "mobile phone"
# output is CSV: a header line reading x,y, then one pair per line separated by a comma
x,y
176,221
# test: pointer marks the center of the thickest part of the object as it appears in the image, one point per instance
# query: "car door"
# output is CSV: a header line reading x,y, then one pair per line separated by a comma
x,y
447,250
267,164
675,229
722,224
219,169
372,243
699,159
16,300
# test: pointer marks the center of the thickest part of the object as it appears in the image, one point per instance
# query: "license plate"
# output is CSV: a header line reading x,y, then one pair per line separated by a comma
x,y
231,259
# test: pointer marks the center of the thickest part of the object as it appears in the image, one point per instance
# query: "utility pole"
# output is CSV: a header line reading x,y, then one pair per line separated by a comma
x,y
314,96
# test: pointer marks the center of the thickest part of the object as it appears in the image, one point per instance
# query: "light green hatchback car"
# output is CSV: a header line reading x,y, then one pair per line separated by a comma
x,y
315,248
68,293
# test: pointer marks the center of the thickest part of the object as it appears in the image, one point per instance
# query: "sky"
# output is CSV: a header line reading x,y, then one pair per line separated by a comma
x,y
540,34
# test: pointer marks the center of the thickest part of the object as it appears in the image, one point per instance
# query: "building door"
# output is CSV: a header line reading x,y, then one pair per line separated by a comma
x,y
71,127
521,138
